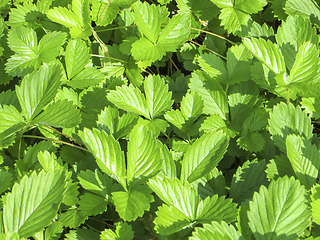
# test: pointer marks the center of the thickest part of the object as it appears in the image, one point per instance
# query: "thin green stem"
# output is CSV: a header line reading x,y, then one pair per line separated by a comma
x,y
100,56
213,34
55,140
288,96
206,48
67,136
173,62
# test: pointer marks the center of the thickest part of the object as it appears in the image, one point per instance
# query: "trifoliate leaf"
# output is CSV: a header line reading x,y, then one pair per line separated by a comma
x,y
304,159
144,50
203,155
38,89
247,180
59,114
107,153
42,194
132,204
158,99
281,211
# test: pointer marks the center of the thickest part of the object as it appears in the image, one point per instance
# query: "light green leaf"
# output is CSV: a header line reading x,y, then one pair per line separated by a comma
x,y
104,12
306,67
175,33
64,16
304,8
91,204
59,114
203,155
191,106
213,96
247,180
304,159
204,10
82,234
148,19
158,98
144,50
132,204
281,211
315,202
33,203
170,220
287,119
236,14
49,161
214,66
143,156
77,57
107,152
251,141
266,52
130,99
23,41
50,45
38,89
82,11
216,230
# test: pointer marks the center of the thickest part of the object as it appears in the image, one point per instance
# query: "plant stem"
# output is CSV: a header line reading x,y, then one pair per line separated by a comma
x,y
213,34
207,48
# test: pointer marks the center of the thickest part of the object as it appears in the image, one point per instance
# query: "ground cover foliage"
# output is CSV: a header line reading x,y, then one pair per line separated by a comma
x,y
186,119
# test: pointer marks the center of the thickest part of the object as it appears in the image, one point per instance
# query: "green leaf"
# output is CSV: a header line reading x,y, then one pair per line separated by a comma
x,y
204,10
304,159
144,50
248,180
89,76
305,68
82,10
64,16
82,234
216,230
305,8
91,204
107,153
132,204
59,114
175,33
203,155
33,203
77,57
11,121
50,45
266,52
213,96
49,161
148,19
104,12
38,89
96,182
123,232
315,200
281,211
23,41
287,119
236,14
73,218
143,156
5,181
158,99
191,106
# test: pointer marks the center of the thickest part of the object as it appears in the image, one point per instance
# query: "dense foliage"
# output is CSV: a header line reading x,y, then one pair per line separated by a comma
x,y
185,119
